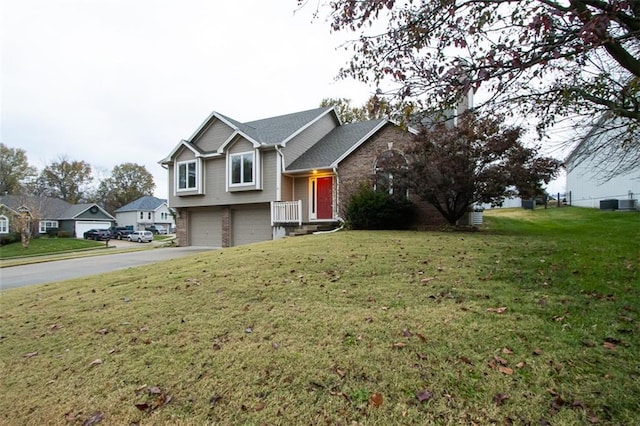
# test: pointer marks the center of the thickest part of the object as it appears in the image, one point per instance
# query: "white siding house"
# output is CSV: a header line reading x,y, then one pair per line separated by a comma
x,y
588,175
144,212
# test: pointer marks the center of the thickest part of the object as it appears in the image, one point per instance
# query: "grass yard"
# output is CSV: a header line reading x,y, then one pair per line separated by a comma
x,y
45,245
533,320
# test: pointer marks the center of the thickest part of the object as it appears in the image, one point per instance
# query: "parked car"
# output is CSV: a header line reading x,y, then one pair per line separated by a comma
x,y
97,235
141,236
157,229
120,232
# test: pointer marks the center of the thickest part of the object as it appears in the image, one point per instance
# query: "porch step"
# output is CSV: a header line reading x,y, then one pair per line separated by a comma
x,y
310,228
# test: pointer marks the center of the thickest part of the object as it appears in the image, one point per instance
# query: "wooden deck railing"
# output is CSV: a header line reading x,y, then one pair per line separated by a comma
x,y
286,212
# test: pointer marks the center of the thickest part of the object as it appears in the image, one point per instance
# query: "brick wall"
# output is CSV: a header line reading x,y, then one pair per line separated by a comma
x,y
181,227
358,168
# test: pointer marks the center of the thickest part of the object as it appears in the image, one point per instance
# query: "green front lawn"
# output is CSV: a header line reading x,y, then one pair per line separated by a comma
x,y
533,320
45,245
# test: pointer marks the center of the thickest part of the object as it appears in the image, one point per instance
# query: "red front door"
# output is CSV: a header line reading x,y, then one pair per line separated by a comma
x,y
324,191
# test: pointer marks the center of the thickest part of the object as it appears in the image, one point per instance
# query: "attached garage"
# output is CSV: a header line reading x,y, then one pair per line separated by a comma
x,y
205,227
250,224
84,226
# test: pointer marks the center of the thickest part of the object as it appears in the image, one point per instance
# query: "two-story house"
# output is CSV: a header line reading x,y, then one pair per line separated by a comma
x,y
233,183
144,212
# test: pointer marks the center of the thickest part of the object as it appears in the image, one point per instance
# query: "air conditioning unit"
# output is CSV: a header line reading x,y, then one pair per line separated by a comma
x,y
626,205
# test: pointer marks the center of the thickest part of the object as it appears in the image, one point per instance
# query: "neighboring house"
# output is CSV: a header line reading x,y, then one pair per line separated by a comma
x,y
144,212
234,183
47,213
588,172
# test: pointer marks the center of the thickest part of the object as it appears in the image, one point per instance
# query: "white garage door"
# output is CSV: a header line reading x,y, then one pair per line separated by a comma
x,y
84,226
250,224
205,227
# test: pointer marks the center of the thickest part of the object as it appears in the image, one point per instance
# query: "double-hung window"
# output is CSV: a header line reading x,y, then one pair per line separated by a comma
x,y
242,168
4,225
47,224
187,176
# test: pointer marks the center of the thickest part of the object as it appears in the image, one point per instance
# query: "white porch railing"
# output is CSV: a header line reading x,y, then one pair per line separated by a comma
x,y
286,212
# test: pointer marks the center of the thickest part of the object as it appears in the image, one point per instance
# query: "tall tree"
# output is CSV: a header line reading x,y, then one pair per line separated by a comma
x,y
375,107
65,179
478,161
549,59
128,182
15,171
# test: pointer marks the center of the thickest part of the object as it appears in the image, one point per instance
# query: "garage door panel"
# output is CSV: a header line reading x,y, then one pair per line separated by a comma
x,y
205,227
250,224
84,226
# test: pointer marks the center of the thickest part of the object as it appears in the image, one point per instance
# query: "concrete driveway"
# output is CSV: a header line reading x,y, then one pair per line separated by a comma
x,y
61,270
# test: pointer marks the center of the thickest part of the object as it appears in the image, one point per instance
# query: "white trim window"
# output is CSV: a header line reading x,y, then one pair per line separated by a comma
x,y
242,169
4,225
44,225
187,175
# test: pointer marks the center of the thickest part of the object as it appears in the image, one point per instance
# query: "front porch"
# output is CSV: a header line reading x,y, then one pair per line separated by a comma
x,y
287,220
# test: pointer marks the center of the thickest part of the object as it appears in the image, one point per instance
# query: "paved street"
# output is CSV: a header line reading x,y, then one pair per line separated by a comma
x,y
60,270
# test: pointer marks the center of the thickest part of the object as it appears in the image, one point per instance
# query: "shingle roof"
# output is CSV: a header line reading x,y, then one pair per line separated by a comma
x,y
277,129
49,208
334,145
145,203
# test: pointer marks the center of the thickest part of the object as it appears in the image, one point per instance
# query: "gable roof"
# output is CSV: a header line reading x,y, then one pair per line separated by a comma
x,y
49,208
266,131
336,145
145,203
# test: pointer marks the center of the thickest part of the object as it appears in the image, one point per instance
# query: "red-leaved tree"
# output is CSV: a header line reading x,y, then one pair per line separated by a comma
x,y
480,160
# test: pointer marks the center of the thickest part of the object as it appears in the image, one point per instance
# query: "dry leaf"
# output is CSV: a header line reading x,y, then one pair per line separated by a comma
x,y
507,351
424,396
93,419
341,373
500,310
537,351
505,370
375,399
501,360
30,354
399,345
521,364
259,407
421,337
609,345
499,398
466,360
96,362
154,390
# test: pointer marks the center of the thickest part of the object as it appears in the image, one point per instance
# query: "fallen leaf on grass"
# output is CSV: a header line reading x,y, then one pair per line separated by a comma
x,y
399,345
214,399
499,398
505,370
95,362
466,360
424,396
421,337
500,310
609,345
507,351
376,399
521,364
537,351
501,360
31,354
93,419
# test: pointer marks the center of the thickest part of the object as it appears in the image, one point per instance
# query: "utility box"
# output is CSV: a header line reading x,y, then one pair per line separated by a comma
x,y
611,204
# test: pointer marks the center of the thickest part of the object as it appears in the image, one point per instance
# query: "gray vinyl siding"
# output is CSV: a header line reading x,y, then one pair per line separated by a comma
x,y
301,192
215,193
240,145
250,224
305,140
211,139
286,189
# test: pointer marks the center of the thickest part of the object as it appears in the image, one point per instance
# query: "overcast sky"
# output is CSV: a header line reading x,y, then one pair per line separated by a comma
x,y
115,81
